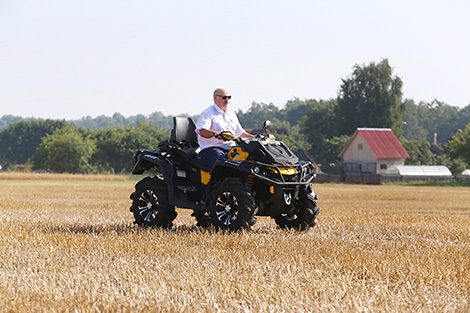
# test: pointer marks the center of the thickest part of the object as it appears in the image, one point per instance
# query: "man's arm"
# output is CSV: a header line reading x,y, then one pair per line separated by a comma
x,y
247,135
207,133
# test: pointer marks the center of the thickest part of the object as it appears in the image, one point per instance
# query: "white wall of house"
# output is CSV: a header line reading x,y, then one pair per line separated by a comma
x,y
359,150
384,165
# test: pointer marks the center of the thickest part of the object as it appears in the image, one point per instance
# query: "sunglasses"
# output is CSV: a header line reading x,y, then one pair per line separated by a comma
x,y
224,97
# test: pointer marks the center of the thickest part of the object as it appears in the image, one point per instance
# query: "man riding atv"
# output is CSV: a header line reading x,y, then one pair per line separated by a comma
x,y
258,176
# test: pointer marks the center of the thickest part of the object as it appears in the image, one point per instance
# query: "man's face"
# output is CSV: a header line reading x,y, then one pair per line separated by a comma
x,y
221,98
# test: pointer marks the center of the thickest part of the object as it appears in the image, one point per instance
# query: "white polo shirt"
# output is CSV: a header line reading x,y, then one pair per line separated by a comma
x,y
215,119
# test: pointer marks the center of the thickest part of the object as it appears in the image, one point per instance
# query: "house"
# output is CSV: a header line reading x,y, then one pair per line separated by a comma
x,y
373,150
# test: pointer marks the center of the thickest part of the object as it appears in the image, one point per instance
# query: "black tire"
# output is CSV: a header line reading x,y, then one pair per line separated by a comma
x,y
232,206
202,217
150,204
303,214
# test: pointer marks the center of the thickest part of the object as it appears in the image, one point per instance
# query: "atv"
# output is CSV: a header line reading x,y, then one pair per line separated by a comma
x,y
259,177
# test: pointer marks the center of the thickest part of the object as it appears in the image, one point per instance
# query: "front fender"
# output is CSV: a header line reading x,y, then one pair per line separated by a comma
x,y
227,168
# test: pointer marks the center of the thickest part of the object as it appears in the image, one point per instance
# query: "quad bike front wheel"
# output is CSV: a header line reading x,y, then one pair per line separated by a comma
x,y
232,206
202,217
150,204
303,214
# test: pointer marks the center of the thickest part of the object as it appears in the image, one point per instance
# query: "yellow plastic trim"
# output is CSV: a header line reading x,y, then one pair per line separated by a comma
x,y
237,154
205,177
285,170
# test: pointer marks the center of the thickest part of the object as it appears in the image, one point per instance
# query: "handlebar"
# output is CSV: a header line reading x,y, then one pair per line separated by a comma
x,y
226,136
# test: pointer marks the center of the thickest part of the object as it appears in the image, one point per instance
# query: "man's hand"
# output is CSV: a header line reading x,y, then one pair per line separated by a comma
x,y
225,136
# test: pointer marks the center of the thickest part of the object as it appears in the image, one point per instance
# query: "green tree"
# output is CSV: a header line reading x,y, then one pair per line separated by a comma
x,y
459,146
328,155
464,117
413,121
423,120
66,150
294,139
444,121
420,152
319,120
19,141
294,110
7,120
319,125
257,114
159,119
117,145
371,97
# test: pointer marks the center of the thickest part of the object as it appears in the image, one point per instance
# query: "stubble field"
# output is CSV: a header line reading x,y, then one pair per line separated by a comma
x,y
68,244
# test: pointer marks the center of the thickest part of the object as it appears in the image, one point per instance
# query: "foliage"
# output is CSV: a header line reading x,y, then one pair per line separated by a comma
x,y
294,139
103,121
422,120
456,166
459,146
116,145
319,121
318,125
19,141
257,114
295,110
328,156
423,153
66,150
100,122
7,120
420,152
413,126
371,97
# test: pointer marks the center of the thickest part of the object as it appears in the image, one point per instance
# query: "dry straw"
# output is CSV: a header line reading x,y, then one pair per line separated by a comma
x,y
68,244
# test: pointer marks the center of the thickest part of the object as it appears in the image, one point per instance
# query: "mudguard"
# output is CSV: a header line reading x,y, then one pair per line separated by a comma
x,y
147,159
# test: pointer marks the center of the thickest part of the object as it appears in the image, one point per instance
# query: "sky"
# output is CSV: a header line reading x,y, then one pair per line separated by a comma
x,y
67,59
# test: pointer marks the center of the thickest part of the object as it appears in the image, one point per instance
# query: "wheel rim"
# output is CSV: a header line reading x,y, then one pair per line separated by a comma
x,y
226,208
148,205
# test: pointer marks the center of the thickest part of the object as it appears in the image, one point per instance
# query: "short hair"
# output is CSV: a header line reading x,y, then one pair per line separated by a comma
x,y
217,90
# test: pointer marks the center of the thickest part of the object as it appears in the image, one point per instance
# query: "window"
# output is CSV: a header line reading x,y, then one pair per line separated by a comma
x,y
359,146
383,166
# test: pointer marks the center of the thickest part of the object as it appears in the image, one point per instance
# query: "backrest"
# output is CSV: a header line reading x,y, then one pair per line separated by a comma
x,y
184,131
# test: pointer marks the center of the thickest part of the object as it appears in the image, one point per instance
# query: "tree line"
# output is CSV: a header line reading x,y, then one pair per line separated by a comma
x,y
59,146
370,97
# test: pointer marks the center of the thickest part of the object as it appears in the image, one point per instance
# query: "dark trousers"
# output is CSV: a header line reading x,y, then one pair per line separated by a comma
x,y
212,154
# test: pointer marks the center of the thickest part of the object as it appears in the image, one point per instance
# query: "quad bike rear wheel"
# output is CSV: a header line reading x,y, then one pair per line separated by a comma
x,y
150,204
303,214
232,206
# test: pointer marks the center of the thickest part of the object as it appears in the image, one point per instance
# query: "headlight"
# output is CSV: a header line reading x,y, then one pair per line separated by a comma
x,y
256,170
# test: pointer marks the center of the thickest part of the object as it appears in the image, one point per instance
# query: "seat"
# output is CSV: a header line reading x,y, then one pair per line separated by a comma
x,y
184,132
184,135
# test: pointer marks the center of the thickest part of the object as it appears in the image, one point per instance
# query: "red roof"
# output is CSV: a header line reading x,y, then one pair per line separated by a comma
x,y
384,143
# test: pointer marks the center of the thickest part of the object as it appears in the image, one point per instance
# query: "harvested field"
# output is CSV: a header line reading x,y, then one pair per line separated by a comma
x,y
68,244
